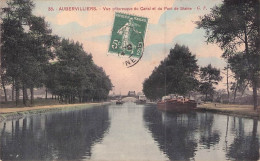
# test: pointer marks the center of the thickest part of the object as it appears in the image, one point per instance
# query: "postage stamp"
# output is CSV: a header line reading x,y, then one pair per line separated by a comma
x,y
127,37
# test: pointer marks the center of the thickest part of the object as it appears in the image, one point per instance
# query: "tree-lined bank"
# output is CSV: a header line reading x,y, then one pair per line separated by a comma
x,y
32,57
234,27
179,74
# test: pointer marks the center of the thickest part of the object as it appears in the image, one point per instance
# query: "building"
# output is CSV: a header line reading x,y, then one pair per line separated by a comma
x,y
131,93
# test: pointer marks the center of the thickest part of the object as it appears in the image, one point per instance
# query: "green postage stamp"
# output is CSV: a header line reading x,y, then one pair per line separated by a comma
x,y
127,37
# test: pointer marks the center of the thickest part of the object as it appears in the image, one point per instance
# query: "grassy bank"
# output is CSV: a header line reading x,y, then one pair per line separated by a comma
x,y
231,109
37,102
9,113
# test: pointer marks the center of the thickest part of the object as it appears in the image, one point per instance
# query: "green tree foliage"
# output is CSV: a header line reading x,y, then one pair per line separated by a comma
x,y
27,43
176,74
239,66
154,86
16,18
234,24
28,46
39,51
209,76
74,76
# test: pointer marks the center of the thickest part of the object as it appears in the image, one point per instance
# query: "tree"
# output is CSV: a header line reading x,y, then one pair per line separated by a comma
x,y
181,68
238,65
13,34
75,76
209,76
40,50
26,47
227,77
236,23
226,55
176,74
4,81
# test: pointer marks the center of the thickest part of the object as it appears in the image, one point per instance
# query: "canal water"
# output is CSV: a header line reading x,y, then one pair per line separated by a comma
x,y
130,132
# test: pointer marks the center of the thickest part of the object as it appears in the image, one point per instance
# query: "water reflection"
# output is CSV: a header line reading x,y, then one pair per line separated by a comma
x,y
203,136
245,146
208,136
127,138
130,132
64,135
173,133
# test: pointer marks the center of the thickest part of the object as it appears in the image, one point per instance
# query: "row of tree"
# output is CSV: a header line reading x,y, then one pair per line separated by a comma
x,y
74,75
32,57
234,26
178,73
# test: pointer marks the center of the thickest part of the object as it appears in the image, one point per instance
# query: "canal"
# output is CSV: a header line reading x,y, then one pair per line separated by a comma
x,y
129,132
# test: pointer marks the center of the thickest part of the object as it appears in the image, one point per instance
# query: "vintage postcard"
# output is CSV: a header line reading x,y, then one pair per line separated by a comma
x,y
129,80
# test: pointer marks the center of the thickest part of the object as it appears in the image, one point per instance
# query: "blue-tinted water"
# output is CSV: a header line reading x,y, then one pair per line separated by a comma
x,y
129,132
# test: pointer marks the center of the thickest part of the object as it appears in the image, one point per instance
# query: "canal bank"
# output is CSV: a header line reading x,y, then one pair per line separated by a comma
x,y
228,109
17,113
231,109
129,132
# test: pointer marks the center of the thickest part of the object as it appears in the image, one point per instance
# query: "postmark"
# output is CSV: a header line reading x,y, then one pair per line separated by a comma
x,y
127,38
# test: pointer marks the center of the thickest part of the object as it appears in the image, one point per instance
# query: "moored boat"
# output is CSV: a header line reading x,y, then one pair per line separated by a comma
x,y
141,99
173,103
119,102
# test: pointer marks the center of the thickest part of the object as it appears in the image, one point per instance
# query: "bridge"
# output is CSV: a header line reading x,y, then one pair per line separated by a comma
x,y
130,97
125,98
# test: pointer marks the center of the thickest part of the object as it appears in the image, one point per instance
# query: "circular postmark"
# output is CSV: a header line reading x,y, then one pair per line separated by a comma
x,y
136,52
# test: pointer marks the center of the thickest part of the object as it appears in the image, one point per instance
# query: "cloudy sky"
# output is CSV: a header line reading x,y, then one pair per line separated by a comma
x,y
165,29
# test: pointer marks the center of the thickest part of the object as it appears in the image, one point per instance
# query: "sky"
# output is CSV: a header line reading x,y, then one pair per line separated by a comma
x,y
165,28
